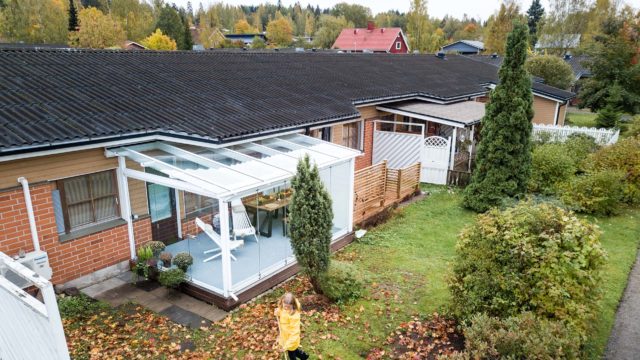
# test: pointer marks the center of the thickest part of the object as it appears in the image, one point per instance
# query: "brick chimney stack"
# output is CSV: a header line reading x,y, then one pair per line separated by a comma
x,y
371,25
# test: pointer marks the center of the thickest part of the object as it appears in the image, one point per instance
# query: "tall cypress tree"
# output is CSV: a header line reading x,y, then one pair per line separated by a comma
x,y
504,152
73,16
311,221
534,15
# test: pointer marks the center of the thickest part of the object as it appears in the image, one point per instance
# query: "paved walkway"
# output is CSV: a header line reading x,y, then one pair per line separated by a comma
x,y
624,342
178,307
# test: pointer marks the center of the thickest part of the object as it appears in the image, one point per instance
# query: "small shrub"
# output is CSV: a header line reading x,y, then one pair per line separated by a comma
x,y
531,257
607,117
579,146
183,260
520,337
623,156
633,128
595,193
550,165
171,278
342,282
156,247
79,306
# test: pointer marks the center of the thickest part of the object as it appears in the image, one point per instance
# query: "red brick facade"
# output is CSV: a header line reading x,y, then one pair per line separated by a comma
x,y
70,259
365,159
189,226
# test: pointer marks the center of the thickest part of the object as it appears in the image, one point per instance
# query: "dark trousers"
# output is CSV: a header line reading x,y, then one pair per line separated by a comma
x,y
297,354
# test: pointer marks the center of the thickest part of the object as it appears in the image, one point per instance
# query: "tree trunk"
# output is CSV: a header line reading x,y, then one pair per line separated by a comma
x,y
315,283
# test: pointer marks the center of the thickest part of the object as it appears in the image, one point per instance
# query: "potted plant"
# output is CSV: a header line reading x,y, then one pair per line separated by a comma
x,y
166,257
141,264
171,278
156,247
183,260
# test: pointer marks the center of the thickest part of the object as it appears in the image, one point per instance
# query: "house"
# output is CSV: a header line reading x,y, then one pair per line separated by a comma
x,y
561,43
132,45
372,39
580,71
115,149
247,39
464,47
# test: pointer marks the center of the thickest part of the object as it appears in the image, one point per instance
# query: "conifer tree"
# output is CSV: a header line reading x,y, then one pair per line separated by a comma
x,y
534,15
73,16
504,152
311,219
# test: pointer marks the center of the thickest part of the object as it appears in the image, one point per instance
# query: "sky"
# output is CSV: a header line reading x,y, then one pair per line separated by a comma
x,y
436,8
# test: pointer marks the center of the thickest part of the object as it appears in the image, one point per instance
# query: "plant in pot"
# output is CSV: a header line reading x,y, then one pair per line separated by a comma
x,y
156,247
142,267
171,278
166,257
183,260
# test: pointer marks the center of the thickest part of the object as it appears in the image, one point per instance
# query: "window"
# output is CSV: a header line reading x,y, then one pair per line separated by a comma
x,y
194,203
323,133
398,45
351,135
89,199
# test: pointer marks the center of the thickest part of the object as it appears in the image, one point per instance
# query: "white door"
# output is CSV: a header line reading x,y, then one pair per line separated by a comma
x,y
435,160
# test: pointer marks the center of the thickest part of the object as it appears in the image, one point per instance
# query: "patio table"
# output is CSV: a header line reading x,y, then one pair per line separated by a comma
x,y
270,208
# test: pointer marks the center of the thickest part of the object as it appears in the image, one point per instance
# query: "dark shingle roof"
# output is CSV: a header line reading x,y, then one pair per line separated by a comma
x,y
577,63
53,97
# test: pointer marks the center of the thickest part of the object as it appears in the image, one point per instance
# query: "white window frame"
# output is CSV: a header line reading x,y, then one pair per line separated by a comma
x,y
398,45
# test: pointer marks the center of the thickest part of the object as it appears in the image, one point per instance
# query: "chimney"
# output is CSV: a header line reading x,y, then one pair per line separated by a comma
x,y
494,56
355,31
382,30
440,55
567,56
371,25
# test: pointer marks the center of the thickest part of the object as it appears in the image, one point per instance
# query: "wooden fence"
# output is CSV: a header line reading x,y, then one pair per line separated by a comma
x,y
561,133
458,178
377,188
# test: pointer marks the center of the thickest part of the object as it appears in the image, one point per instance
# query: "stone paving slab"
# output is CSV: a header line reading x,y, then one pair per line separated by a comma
x,y
179,307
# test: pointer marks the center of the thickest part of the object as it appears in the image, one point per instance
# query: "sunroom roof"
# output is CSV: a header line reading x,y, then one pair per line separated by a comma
x,y
227,172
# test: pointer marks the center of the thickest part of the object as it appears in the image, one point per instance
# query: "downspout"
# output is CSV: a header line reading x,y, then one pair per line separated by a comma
x,y
32,219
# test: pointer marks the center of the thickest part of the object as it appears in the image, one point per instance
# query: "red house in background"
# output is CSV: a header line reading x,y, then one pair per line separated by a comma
x,y
388,40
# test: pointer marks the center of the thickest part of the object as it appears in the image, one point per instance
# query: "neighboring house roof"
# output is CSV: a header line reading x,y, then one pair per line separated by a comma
x,y
463,112
566,41
376,39
473,43
57,98
132,45
245,37
578,65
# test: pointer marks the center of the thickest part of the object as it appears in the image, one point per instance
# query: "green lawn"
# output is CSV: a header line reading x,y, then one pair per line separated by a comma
x,y
581,118
405,261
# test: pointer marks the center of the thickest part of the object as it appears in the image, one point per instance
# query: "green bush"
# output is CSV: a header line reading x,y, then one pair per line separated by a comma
x,y
594,193
623,156
633,128
79,306
183,260
531,257
520,337
144,253
342,282
171,278
579,146
550,164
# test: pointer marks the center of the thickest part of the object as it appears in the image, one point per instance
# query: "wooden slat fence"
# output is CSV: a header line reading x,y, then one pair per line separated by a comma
x,y
458,178
378,188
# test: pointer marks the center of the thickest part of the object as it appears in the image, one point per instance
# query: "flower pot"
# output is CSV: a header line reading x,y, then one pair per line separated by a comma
x,y
166,263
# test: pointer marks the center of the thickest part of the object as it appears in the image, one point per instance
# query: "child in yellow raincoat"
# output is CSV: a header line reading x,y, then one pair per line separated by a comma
x,y
288,314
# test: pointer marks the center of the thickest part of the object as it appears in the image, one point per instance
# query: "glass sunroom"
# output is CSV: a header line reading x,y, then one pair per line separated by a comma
x,y
237,231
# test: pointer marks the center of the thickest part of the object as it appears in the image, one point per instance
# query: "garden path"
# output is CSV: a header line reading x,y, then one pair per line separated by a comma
x,y
624,342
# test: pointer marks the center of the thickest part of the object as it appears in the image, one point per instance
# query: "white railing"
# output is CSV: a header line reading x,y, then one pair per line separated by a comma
x,y
561,133
29,329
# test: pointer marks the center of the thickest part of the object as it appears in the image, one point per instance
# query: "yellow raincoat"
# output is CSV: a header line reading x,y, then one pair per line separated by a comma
x,y
289,323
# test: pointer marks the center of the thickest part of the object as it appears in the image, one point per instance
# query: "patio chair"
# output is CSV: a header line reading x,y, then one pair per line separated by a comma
x,y
208,229
241,224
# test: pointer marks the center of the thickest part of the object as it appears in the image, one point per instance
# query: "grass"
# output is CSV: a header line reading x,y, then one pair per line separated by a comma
x,y
581,118
620,238
405,262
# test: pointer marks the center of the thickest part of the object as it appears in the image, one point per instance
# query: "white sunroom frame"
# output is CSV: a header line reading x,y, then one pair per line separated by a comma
x,y
244,183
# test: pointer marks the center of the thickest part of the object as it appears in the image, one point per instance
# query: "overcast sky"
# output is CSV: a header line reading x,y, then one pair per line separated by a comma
x,y
436,8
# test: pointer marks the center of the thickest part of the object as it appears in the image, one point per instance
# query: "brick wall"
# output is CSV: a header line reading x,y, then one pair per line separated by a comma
x,y
365,159
70,259
189,226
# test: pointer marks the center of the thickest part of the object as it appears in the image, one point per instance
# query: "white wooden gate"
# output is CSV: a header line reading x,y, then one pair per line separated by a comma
x,y
399,149
435,160
29,329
